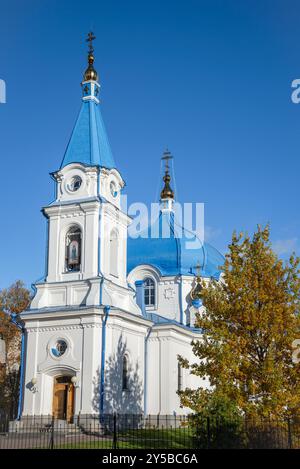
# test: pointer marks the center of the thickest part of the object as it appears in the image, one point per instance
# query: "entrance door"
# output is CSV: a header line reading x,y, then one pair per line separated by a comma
x,y
63,398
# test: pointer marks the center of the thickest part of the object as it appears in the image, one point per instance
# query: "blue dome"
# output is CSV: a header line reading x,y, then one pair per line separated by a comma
x,y
172,250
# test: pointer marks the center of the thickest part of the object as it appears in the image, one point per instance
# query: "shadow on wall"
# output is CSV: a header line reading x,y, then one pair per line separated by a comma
x,y
117,399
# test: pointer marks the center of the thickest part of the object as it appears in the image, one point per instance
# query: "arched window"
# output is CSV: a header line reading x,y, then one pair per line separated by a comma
x,y
179,377
149,292
113,253
125,370
73,249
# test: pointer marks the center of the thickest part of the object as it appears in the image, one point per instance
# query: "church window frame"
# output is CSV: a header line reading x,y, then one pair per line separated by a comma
x,y
59,347
125,373
75,183
73,249
179,377
149,292
114,253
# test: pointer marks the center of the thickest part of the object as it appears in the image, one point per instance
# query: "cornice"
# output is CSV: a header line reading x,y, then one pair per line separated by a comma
x,y
63,328
75,206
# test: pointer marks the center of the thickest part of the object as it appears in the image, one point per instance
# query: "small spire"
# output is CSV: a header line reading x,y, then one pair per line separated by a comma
x,y
167,192
90,73
196,293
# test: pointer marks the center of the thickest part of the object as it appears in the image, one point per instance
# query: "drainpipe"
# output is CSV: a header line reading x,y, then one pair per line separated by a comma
x,y
102,372
47,250
146,370
104,320
180,301
20,326
99,259
22,372
139,284
159,379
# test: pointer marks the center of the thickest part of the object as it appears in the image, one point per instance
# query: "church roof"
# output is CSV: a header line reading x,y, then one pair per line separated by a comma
x,y
173,250
89,144
158,319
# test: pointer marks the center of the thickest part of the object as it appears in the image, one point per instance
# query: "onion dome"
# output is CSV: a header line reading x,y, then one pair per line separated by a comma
x,y
167,192
196,293
169,247
90,73
172,250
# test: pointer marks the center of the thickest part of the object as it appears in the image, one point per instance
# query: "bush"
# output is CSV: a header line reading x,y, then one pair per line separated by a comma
x,y
218,424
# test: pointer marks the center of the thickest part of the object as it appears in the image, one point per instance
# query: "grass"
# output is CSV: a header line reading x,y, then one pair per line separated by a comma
x,y
179,438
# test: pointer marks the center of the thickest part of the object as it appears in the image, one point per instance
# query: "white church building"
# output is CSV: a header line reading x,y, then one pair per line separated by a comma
x,y
113,312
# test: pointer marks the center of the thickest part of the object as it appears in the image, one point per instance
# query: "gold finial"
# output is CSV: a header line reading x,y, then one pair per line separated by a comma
x,y
90,73
167,192
196,292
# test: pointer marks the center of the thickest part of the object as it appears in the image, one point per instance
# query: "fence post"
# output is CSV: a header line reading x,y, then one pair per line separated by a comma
x,y
208,432
290,439
115,432
51,444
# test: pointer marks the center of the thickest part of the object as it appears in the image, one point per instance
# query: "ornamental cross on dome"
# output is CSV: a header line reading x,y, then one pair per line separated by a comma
x,y
166,158
91,37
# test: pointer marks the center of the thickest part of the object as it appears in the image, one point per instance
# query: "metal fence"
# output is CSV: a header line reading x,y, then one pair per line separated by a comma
x,y
151,432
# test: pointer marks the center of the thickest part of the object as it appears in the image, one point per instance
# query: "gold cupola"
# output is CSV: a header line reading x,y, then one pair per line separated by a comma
x,y
90,73
167,192
196,292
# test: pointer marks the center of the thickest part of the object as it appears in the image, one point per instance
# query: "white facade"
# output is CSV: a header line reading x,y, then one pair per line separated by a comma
x,y
93,329
69,306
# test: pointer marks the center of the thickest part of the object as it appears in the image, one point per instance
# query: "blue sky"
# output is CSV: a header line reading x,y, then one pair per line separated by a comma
x,y
210,80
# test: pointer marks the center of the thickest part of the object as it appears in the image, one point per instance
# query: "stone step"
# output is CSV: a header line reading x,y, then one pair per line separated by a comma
x,y
29,426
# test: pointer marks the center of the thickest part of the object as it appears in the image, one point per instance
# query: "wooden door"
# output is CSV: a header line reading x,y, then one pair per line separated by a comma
x,y
63,399
60,396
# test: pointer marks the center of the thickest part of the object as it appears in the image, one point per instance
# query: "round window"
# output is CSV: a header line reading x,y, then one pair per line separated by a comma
x,y
59,348
113,189
75,183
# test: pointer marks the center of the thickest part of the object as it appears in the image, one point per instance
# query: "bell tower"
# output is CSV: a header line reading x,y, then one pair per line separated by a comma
x,y
87,229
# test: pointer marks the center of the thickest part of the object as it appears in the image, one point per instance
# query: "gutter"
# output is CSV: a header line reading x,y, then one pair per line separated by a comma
x,y
99,244
139,284
145,369
22,373
104,320
102,371
20,326
180,301
47,250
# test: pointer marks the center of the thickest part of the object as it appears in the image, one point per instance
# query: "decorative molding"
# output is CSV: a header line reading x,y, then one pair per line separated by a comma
x,y
63,328
121,328
169,293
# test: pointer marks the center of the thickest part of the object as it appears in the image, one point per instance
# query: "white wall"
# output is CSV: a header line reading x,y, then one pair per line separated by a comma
x,y
125,336
172,292
164,344
82,332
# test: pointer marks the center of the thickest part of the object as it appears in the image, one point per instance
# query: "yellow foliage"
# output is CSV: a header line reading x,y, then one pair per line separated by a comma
x,y
250,322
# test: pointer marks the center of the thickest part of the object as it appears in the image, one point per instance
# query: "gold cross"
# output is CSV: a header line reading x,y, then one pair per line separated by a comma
x,y
166,157
90,40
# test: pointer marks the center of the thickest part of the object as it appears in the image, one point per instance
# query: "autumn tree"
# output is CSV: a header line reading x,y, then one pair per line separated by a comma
x,y
13,301
250,323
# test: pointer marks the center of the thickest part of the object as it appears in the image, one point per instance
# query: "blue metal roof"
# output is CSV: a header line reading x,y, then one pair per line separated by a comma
x,y
89,144
172,250
158,319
